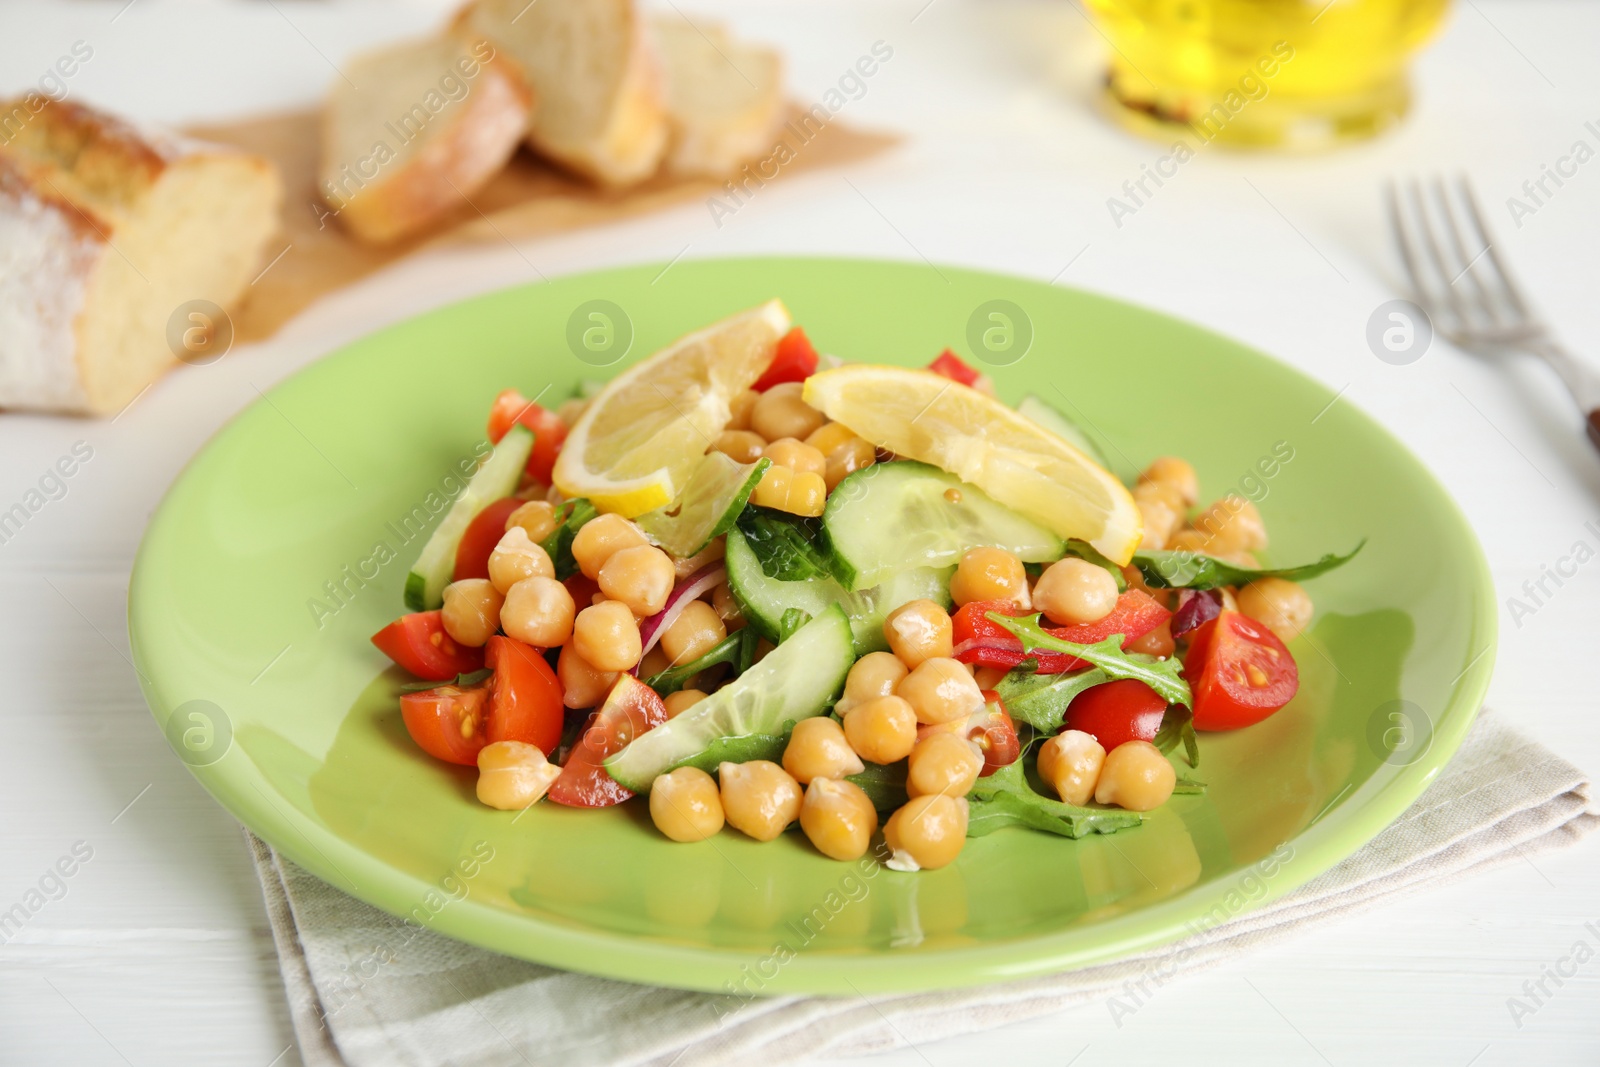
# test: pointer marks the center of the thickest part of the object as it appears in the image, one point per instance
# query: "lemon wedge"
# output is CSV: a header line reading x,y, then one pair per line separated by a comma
x,y
645,433
920,415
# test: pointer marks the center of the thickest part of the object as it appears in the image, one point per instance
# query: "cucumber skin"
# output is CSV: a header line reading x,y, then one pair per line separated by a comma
x,y
519,439
821,659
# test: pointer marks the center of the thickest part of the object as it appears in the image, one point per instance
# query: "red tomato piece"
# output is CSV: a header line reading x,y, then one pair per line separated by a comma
x,y
447,722
980,640
991,728
418,643
955,368
511,408
1239,671
794,361
631,708
582,587
480,537
1117,712
526,704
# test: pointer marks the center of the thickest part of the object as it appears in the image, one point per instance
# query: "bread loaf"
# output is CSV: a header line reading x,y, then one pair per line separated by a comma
x,y
724,97
106,231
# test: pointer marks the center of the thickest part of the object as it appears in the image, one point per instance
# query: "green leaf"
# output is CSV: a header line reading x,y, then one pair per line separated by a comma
x,y
884,784
1193,570
793,619
731,649
1188,787
570,516
1005,798
462,680
740,749
1161,675
787,547
1041,700
1177,727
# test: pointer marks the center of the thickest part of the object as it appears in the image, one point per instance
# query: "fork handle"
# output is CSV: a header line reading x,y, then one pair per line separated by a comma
x,y
1581,381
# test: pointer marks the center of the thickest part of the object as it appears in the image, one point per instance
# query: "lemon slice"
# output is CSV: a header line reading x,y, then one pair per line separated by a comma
x,y
644,434
920,415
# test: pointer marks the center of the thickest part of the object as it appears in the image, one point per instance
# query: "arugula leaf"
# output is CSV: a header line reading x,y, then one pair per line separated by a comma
x,y
787,547
884,784
462,680
737,648
793,619
558,546
1041,700
1177,727
1163,675
740,749
1194,570
1005,798
1188,787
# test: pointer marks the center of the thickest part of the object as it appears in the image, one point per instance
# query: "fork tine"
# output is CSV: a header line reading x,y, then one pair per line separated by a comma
x,y
1431,243
1402,242
1512,291
1486,300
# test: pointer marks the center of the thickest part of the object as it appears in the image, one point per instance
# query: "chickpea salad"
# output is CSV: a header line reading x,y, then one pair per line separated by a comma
x,y
765,589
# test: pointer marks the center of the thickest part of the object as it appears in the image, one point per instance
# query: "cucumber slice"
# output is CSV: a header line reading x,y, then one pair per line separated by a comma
x,y
889,517
1050,418
716,493
764,600
798,679
495,480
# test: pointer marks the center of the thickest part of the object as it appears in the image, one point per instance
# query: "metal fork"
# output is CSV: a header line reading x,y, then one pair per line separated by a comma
x,y
1488,313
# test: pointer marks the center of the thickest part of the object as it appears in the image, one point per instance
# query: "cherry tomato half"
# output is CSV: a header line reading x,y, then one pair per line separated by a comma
x,y
631,708
991,728
979,639
511,408
526,704
794,361
447,722
1239,671
480,537
952,366
418,643
1117,712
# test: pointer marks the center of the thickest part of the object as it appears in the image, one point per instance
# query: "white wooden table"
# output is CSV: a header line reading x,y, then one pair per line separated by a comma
x,y
155,949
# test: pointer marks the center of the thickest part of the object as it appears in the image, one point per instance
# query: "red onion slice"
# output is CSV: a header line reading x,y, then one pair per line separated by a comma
x,y
685,593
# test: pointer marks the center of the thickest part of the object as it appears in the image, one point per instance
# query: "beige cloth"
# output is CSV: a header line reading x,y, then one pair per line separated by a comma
x,y
439,1001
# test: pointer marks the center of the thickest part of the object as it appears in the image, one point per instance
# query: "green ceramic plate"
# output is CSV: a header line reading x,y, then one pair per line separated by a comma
x,y
285,544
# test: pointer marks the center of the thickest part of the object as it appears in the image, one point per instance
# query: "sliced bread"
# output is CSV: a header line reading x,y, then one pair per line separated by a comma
x,y
724,98
106,231
596,77
417,129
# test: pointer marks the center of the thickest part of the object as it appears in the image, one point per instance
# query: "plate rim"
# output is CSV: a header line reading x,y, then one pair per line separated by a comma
x,y
1316,848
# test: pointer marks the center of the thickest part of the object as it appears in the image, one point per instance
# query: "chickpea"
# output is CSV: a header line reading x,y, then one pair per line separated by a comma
x,y
830,436
882,730
943,763
941,690
570,410
1280,605
516,557
846,459
1190,540
1176,473
537,518
1135,776
641,577
927,833
607,635
600,538
838,818
681,701
818,748
1233,523
739,409
1157,642
1074,590
513,775
727,608
797,492
685,804
538,611
781,413
741,446
759,798
989,574
582,684
1161,518
1071,762
471,611
796,455
988,677
692,634
876,674
714,551
655,661
918,630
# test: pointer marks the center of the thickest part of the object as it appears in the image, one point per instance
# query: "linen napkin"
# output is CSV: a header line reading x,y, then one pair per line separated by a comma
x,y
365,989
